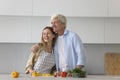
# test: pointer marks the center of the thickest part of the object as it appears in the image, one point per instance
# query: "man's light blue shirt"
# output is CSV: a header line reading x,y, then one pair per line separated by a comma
x,y
74,51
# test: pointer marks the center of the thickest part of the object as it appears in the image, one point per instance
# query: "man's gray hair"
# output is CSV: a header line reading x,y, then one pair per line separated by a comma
x,y
60,17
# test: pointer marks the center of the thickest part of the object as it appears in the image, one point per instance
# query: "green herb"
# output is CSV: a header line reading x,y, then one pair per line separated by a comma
x,y
78,73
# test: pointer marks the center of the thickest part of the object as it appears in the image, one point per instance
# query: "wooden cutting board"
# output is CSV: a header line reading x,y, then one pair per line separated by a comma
x,y
112,63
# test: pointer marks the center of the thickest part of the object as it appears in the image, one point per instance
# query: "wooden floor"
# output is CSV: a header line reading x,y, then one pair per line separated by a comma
x,y
28,77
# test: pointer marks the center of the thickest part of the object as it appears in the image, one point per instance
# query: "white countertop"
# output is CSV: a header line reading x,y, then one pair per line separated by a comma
x,y
28,77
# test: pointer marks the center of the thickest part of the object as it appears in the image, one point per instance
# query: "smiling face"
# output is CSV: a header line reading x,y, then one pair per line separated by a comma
x,y
47,35
57,26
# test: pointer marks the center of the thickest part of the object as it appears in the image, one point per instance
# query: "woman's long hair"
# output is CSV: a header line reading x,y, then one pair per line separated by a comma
x,y
54,39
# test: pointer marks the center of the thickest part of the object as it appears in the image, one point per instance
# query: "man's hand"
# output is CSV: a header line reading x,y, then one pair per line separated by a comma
x,y
35,48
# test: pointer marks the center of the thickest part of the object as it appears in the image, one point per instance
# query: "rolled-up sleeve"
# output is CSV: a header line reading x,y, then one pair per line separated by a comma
x,y
79,50
30,62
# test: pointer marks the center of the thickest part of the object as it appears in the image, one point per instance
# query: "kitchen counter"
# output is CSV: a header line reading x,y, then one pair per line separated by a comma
x,y
28,77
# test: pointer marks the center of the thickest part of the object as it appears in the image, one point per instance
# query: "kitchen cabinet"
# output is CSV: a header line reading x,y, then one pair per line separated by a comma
x,y
114,8
112,30
15,29
76,8
16,7
91,30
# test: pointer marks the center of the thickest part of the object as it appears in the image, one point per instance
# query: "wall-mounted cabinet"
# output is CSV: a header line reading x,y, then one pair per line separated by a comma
x,y
16,7
23,29
89,18
87,8
91,30
15,29
114,8
77,8
112,30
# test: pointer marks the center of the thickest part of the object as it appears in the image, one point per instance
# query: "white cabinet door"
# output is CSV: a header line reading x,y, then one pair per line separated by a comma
x,y
38,23
16,7
15,29
112,30
91,30
87,8
114,8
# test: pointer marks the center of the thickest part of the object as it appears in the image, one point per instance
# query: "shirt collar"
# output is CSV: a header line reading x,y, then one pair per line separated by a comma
x,y
65,32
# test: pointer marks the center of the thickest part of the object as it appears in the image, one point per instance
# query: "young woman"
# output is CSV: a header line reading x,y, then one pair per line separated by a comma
x,y
42,61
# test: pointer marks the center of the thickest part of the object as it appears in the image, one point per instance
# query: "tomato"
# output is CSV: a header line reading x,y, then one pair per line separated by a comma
x,y
63,74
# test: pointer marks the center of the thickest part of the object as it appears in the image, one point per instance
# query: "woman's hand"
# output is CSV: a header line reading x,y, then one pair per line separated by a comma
x,y
29,71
